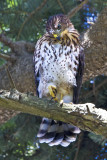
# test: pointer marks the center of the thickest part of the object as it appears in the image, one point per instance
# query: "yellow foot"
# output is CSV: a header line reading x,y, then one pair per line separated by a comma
x,y
71,103
53,92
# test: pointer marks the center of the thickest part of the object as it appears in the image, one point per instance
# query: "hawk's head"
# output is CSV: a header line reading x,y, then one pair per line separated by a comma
x,y
59,26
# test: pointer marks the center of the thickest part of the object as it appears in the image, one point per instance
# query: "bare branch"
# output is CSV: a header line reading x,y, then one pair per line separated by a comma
x,y
85,116
61,6
7,57
17,46
30,15
10,78
7,41
20,12
76,9
79,144
97,88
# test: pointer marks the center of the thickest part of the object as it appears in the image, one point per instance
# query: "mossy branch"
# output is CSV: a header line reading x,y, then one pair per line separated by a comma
x,y
85,116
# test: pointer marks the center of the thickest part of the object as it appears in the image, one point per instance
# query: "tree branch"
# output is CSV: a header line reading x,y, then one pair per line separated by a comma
x,y
28,46
79,144
10,78
30,15
85,116
7,57
61,6
7,41
76,9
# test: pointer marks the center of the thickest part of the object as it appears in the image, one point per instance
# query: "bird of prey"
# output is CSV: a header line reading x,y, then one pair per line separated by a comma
x,y
59,63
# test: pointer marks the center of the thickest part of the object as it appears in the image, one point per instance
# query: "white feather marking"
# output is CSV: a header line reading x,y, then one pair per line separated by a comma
x,y
77,130
64,143
70,139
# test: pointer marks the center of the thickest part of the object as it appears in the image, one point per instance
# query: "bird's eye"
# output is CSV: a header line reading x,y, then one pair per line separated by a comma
x,y
59,27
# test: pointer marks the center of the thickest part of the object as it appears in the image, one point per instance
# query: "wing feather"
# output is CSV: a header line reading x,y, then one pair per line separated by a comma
x,y
79,76
36,60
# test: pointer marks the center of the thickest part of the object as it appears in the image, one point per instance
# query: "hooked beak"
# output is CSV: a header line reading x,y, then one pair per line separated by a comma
x,y
56,36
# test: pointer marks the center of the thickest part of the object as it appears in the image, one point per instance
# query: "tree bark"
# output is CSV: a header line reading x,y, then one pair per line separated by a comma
x,y
95,43
85,116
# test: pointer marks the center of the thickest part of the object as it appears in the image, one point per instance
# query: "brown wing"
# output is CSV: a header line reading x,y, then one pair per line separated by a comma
x,y
79,76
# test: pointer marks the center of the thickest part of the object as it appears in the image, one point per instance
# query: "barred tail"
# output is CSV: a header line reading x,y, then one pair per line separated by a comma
x,y
57,132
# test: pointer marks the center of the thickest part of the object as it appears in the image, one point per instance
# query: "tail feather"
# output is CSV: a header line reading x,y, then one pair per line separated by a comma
x,y
58,137
71,138
57,140
74,129
56,132
50,134
44,127
64,143
47,138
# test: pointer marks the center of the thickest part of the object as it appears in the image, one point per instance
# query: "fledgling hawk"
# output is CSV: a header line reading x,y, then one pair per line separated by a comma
x,y
59,63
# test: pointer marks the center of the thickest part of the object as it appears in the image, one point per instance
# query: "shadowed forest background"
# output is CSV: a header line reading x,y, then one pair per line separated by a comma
x,y
22,23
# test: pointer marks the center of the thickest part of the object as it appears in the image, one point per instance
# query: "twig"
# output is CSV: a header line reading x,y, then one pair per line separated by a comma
x,y
79,144
7,57
30,15
13,12
28,46
94,92
10,78
61,6
7,41
93,119
76,9
96,88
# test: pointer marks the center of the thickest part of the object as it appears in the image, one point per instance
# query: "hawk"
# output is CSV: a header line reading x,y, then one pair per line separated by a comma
x,y
59,63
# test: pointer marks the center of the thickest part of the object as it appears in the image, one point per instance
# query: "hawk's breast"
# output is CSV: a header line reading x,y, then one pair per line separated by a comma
x,y
57,65
60,64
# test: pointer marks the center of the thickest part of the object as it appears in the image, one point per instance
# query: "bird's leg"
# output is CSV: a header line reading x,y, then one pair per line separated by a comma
x,y
61,100
53,92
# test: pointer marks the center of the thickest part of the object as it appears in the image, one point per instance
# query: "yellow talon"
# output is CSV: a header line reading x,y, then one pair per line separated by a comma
x,y
61,100
53,91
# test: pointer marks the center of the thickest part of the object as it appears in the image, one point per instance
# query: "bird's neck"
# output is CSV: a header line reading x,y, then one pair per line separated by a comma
x,y
70,37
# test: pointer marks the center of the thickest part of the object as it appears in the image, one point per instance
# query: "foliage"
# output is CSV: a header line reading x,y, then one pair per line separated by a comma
x,y
14,14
